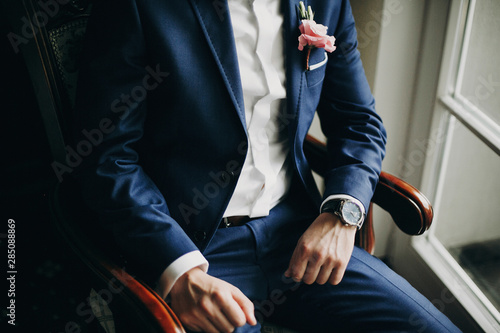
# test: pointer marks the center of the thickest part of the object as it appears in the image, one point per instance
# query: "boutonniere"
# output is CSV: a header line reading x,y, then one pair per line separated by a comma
x,y
312,33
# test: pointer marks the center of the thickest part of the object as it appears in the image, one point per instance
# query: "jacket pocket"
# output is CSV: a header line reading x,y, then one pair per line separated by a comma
x,y
317,66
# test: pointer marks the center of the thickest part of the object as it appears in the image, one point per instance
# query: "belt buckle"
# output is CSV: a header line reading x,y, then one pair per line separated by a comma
x,y
227,224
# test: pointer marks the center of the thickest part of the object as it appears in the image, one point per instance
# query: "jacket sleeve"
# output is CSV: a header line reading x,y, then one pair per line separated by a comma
x,y
110,112
355,134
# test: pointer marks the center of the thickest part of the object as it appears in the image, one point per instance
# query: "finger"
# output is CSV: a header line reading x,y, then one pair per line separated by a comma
x,y
222,323
246,307
212,310
297,266
311,272
337,274
324,274
233,315
209,327
200,323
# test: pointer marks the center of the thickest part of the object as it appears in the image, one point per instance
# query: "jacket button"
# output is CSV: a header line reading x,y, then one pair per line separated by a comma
x,y
200,235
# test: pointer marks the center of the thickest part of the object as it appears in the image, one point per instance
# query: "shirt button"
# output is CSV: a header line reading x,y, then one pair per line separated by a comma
x,y
200,235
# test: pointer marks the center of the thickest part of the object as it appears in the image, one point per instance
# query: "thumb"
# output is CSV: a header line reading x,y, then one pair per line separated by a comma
x,y
246,305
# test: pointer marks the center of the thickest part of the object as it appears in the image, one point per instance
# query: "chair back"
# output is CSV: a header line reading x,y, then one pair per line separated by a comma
x,y
50,36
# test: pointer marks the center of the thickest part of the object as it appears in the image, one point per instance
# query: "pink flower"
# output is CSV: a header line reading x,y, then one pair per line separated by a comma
x,y
314,35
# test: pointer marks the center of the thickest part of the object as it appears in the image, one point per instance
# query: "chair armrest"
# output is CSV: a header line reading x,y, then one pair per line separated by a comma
x,y
409,208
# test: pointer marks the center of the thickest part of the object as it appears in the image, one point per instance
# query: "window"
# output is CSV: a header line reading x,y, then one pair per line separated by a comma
x,y
463,175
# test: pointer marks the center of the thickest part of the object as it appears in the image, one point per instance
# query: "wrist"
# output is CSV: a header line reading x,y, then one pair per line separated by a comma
x,y
336,222
185,279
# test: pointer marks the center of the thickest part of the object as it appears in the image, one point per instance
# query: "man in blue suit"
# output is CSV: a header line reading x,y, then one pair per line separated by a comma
x,y
201,177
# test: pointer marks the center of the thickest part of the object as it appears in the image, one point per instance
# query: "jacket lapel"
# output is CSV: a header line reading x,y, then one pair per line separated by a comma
x,y
294,71
215,22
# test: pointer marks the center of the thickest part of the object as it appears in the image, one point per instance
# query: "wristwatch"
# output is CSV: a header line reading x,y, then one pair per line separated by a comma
x,y
349,211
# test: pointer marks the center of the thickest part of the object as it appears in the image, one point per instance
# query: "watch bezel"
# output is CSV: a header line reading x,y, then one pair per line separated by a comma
x,y
346,219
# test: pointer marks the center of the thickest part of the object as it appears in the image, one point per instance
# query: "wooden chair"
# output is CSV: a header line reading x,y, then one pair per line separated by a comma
x,y
51,58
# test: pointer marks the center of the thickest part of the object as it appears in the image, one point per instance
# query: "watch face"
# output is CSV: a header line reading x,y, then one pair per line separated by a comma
x,y
351,213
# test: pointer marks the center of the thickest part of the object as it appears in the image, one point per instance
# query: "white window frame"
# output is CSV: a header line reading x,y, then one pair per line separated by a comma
x,y
451,108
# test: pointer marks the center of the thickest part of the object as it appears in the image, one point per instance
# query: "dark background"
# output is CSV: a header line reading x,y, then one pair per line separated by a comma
x,y
51,293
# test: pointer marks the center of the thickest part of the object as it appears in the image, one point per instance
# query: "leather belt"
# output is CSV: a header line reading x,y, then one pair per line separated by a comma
x,y
234,221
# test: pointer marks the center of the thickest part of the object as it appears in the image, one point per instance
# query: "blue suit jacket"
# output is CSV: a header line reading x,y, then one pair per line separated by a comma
x,y
159,80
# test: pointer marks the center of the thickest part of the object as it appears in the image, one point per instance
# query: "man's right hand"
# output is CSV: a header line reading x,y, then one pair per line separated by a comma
x,y
205,303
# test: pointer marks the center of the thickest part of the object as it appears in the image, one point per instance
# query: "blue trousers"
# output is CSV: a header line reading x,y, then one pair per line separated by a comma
x,y
370,298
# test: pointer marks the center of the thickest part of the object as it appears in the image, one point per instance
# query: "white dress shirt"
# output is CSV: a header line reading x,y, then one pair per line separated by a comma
x,y
265,176
267,171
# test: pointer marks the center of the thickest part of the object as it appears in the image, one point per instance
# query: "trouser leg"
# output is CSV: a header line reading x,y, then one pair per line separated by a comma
x,y
370,298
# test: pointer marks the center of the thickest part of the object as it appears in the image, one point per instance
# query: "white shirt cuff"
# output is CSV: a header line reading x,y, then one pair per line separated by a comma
x,y
343,196
175,270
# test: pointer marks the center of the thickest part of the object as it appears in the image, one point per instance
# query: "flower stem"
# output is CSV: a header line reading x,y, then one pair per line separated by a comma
x,y
307,58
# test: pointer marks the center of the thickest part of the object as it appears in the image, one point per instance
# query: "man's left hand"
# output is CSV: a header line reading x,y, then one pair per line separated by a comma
x,y
323,251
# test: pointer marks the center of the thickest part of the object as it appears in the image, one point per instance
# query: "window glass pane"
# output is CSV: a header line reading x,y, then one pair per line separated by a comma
x,y
468,216
481,79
